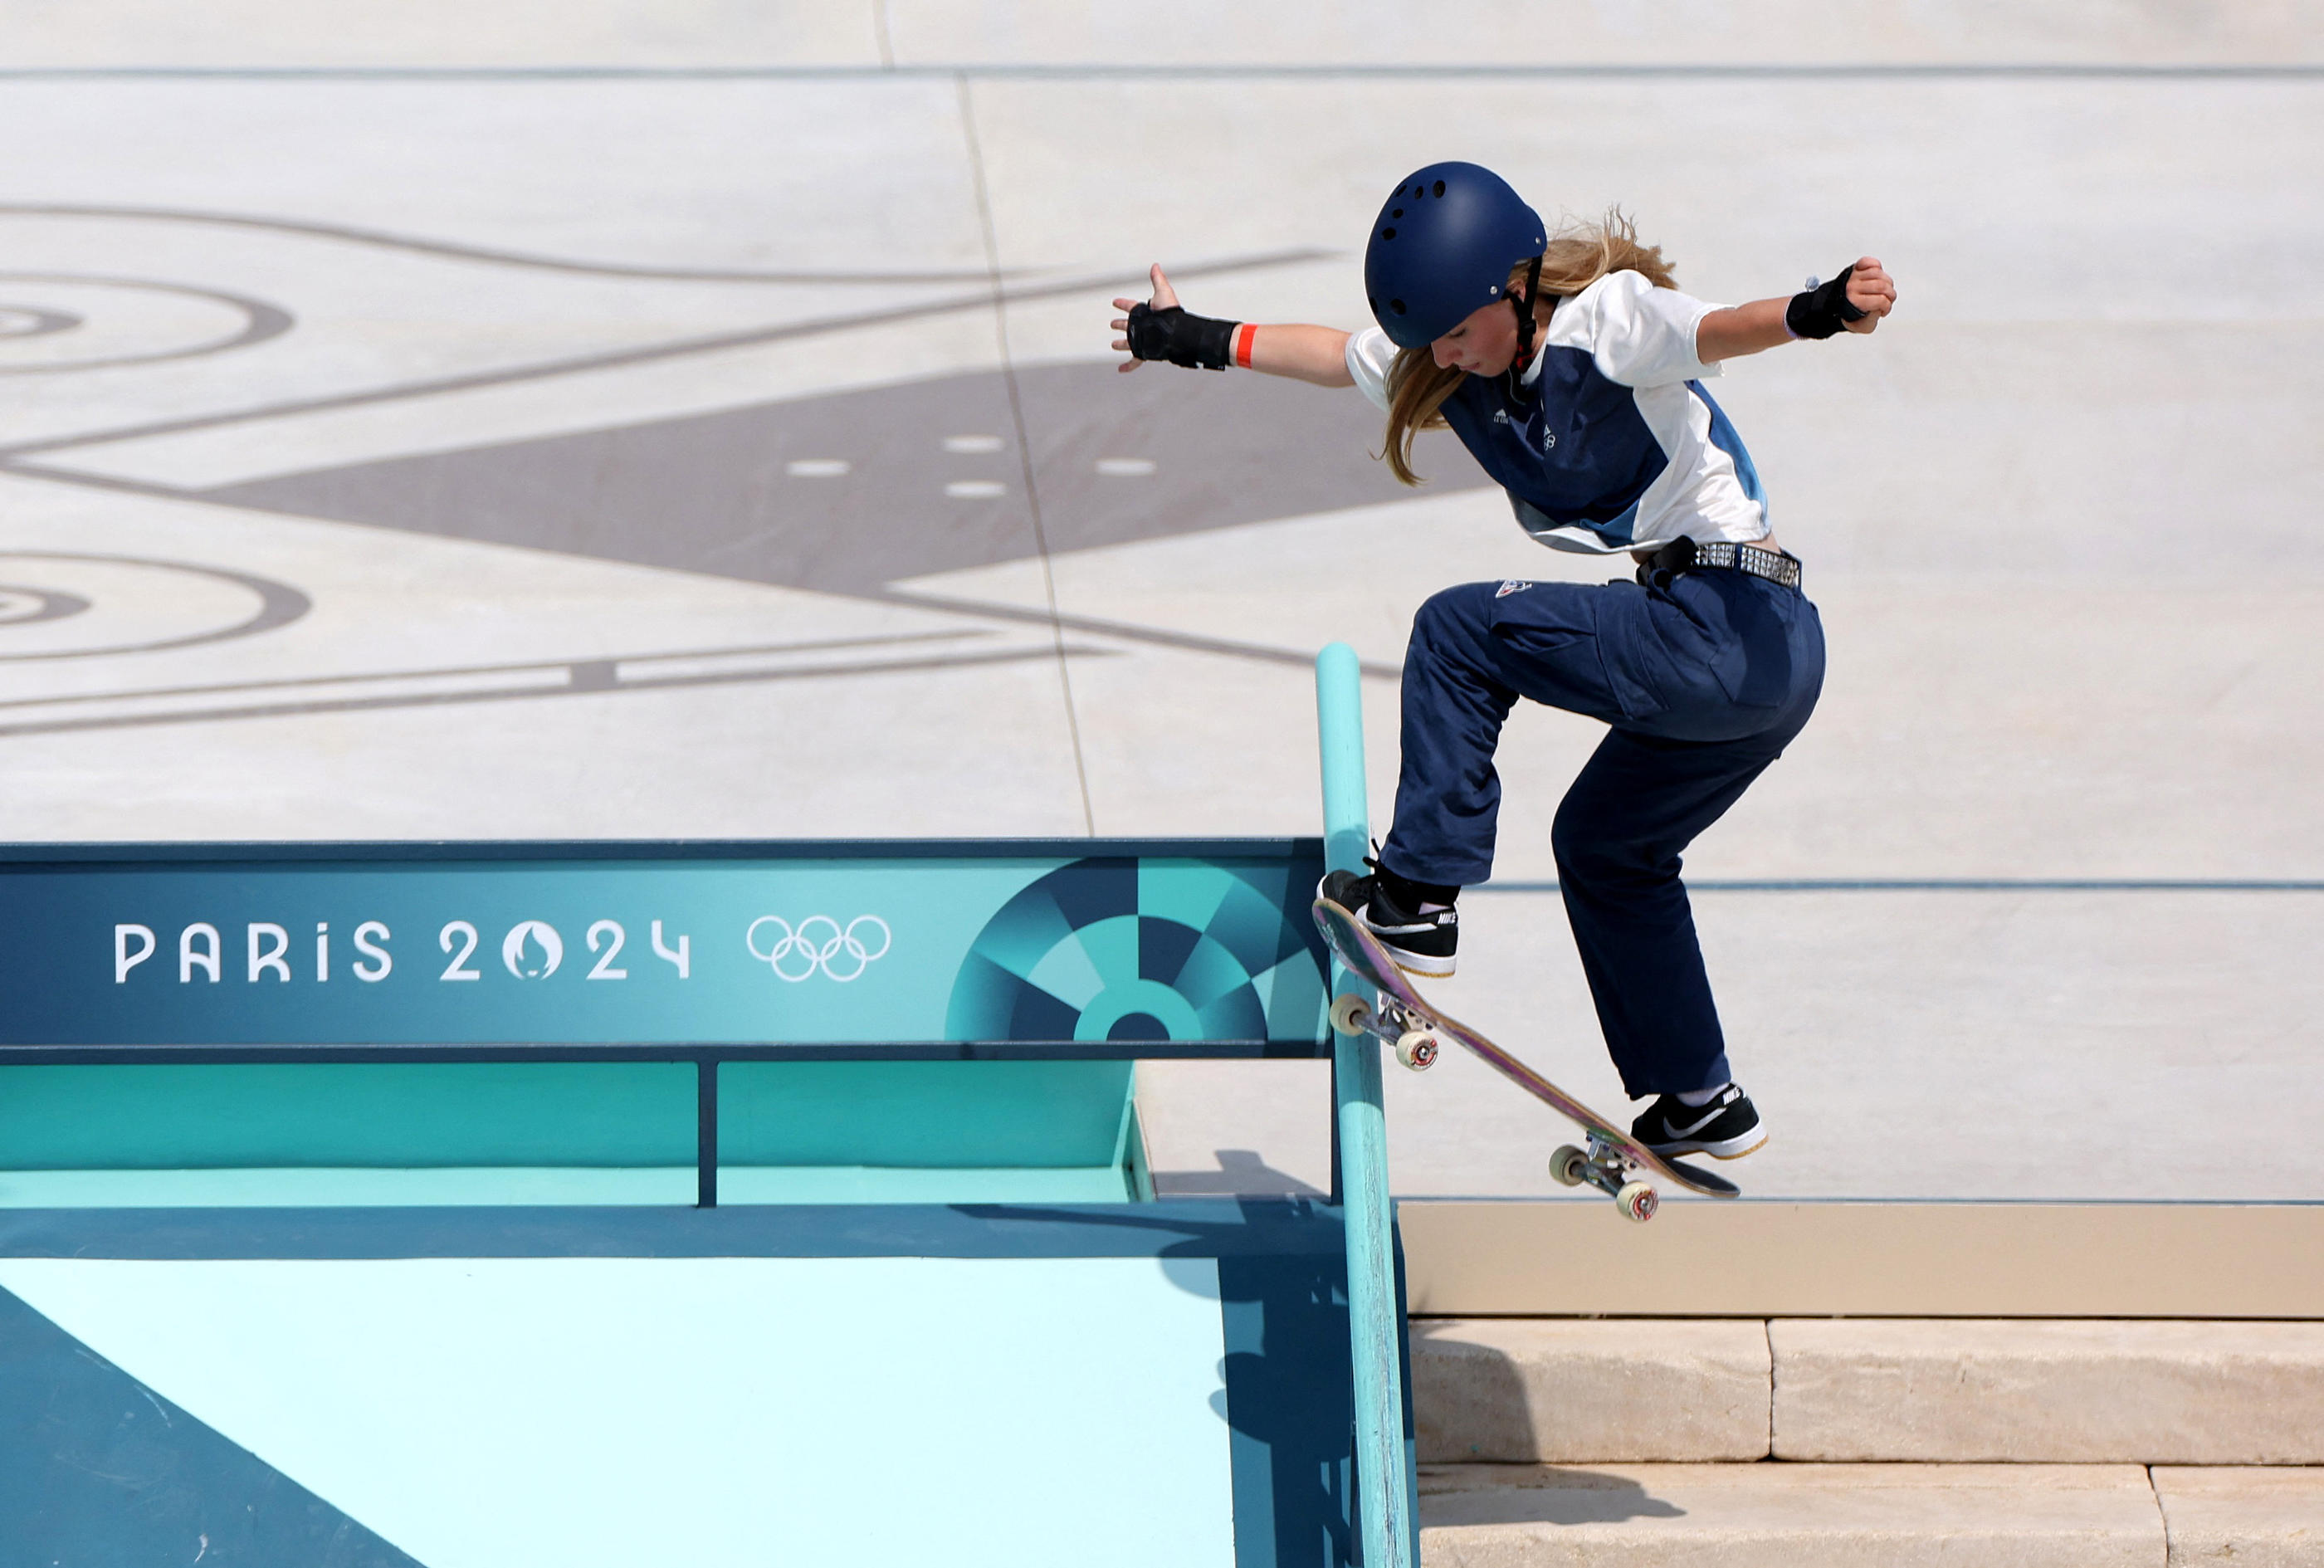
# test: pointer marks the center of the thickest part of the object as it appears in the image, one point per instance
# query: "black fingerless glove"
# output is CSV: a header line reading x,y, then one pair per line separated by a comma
x,y
1823,311
1197,342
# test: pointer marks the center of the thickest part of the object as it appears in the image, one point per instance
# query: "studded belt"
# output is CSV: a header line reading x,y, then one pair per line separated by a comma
x,y
1685,554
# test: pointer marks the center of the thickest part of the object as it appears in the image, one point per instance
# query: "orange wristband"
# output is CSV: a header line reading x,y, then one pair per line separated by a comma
x,y
1243,335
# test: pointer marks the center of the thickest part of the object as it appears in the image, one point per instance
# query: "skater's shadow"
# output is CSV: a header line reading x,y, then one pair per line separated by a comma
x,y
1240,1171
1548,1494
1480,1442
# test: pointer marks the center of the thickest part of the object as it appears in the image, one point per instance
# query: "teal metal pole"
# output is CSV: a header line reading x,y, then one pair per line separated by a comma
x,y
1384,1489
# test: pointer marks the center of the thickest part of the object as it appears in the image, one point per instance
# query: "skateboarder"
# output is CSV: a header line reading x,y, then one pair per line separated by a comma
x,y
1573,370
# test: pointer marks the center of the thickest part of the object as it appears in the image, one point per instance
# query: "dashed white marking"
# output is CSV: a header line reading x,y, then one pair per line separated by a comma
x,y
816,468
972,443
1125,467
975,489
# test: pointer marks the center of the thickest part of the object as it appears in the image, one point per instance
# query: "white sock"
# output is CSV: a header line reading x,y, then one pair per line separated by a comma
x,y
1696,1098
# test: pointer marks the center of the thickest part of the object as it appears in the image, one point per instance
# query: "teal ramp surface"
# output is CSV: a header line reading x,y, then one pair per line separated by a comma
x,y
1163,1383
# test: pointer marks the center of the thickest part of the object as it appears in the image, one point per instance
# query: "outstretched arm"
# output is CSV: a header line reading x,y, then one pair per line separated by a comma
x,y
1740,329
1317,354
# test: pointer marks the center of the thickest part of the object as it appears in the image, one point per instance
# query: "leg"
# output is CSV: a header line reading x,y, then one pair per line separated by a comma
x,y
1474,652
1636,804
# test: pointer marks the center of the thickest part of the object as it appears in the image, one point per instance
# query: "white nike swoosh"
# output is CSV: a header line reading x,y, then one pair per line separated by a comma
x,y
1690,1131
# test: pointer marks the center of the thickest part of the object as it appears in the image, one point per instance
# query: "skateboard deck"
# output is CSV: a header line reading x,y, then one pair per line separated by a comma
x,y
1410,1024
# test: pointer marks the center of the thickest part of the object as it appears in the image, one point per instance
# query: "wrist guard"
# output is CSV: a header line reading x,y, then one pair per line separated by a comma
x,y
1197,342
1823,311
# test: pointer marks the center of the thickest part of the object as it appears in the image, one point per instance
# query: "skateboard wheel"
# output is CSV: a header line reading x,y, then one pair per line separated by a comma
x,y
1637,1202
1351,1013
1415,1049
1565,1165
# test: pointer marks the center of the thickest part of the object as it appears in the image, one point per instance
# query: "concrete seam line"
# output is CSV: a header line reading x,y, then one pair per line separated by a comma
x,y
1767,1337
2162,1513
1110,70
1000,308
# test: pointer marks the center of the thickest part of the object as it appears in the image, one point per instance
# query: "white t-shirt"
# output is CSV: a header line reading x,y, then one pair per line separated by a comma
x,y
1614,445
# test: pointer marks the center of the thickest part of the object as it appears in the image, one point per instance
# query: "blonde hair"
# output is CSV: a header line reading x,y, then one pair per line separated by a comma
x,y
1577,257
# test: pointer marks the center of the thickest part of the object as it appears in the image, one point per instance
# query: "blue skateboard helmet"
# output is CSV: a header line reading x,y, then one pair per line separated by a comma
x,y
1442,246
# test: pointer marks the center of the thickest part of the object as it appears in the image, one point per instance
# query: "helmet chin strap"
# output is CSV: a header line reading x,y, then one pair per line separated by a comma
x,y
1526,326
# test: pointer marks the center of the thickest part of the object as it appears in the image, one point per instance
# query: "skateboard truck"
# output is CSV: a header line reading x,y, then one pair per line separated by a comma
x,y
1607,1169
1414,1043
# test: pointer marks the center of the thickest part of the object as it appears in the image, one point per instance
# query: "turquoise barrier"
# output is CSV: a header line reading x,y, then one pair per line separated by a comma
x,y
807,1007
364,1066
421,1115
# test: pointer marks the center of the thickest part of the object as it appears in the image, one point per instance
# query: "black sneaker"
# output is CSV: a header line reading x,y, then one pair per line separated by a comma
x,y
1726,1129
1420,944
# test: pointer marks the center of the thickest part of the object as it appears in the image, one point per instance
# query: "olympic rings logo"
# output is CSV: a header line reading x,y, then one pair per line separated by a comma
x,y
819,942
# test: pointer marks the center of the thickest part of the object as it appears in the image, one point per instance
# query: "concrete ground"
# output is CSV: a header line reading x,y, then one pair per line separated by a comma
x,y
683,420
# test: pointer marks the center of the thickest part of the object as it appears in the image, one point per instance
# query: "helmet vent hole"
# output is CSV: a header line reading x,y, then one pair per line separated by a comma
x,y
1387,233
1440,187
1397,305
1395,212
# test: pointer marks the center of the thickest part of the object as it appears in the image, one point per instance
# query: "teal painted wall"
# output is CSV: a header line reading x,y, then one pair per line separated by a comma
x,y
922,1113
1001,1114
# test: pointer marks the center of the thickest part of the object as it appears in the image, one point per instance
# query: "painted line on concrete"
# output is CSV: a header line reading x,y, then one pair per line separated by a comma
x,y
688,660
1184,641
577,677
623,358
450,251
1024,446
279,604
261,321
1118,70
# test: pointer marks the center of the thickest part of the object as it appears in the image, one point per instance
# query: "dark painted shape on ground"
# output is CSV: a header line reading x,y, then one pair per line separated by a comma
x,y
279,604
710,492
98,1472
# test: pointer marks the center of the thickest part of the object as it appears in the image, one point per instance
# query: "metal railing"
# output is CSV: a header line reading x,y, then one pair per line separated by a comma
x,y
1386,1489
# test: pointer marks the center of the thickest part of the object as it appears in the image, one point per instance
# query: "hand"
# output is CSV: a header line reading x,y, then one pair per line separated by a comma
x,y
1165,296
1872,290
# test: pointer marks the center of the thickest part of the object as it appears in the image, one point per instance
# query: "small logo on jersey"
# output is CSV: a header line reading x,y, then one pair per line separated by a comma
x,y
1506,589
1548,437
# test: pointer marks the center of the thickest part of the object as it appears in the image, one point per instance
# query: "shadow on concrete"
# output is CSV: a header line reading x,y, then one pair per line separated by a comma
x,y
1469,1402
1241,1170
1512,1494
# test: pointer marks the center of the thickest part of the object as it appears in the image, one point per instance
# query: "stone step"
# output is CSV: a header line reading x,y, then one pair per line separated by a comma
x,y
1561,1390
1550,1390
1867,1515
2253,1518
2061,1393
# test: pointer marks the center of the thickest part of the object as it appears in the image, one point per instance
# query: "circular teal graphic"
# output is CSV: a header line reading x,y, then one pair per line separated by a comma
x,y
1118,949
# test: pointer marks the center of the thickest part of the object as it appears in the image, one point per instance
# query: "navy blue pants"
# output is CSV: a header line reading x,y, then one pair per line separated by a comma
x,y
1704,677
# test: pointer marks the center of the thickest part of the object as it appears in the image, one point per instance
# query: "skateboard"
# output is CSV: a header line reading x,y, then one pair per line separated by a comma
x,y
1416,1029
